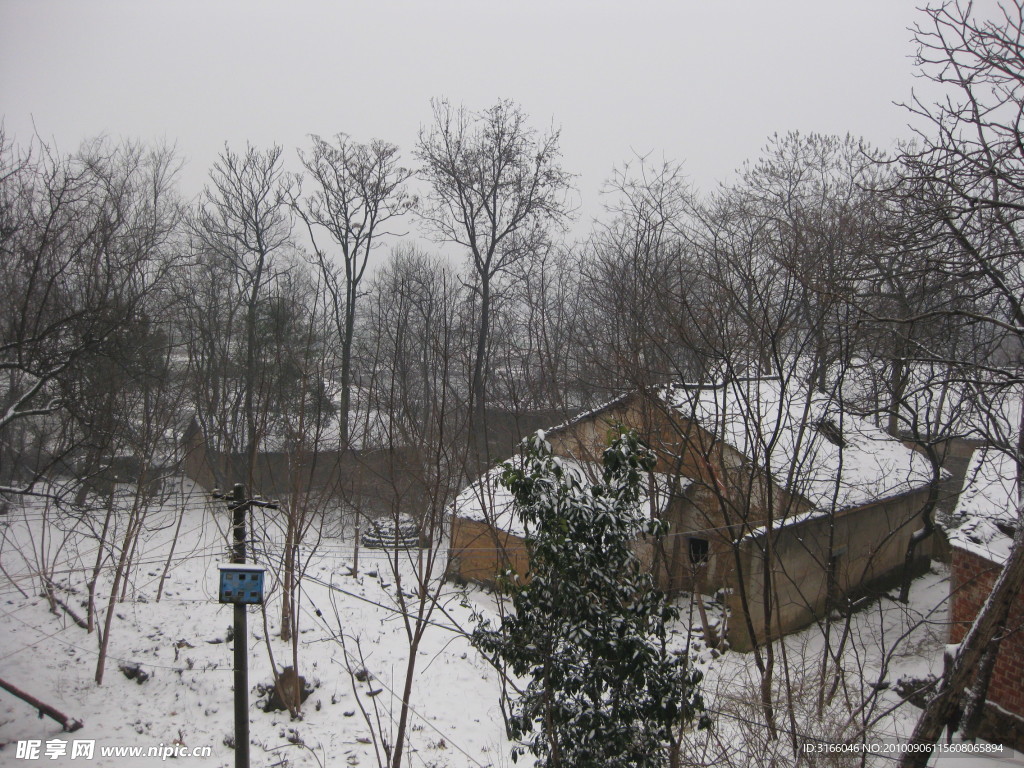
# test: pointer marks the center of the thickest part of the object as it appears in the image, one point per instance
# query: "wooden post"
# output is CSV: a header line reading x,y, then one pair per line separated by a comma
x,y
239,506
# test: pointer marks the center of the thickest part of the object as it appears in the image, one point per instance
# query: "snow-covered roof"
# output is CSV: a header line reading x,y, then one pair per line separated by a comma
x,y
487,500
804,440
590,412
986,512
937,397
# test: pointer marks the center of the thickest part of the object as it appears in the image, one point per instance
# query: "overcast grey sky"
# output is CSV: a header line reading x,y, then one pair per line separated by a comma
x,y
701,81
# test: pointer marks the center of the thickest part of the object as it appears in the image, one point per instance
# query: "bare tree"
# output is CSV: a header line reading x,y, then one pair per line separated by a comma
x,y
152,403
540,338
89,245
633,261
302,414
358,190
966,180
496,188
418,352
84,240
812,198
242,223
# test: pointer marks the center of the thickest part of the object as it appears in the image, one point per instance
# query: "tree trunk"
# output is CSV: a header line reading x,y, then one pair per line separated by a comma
x,y
91,611
44,709
403,719
108,619
478,430
170,554
975,706
288,578
346,374
927,523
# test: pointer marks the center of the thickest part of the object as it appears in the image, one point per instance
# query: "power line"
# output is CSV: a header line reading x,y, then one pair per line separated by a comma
x,y
393,609
384,685
92,652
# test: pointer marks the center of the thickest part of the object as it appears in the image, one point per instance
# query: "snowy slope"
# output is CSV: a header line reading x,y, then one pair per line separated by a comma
x,y
179,641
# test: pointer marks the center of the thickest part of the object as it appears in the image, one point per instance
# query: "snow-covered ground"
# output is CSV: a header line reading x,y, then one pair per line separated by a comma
x,y
180,641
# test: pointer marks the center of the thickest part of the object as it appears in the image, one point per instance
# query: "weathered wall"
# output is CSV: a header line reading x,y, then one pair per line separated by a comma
x,y
587,438
971,580
868,548
681,447
479,552
379,482
197,464
506,428
719,510
721,497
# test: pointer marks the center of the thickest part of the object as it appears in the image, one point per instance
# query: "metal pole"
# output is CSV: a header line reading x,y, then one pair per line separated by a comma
x,y
239,506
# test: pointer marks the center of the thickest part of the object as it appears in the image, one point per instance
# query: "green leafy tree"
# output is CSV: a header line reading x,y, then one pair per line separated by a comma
x,y
589,627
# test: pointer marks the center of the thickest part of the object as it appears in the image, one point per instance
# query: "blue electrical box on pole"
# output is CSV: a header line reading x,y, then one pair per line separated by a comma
x,y
241,583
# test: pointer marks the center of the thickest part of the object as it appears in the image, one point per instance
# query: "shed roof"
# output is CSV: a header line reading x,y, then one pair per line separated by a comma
x,y
986,512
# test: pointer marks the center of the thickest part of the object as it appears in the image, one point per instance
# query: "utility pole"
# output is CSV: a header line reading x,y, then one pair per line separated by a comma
x,y
239,506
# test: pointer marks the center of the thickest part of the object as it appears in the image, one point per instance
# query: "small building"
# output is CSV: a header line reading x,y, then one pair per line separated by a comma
x,y
986,519
780,504
489,538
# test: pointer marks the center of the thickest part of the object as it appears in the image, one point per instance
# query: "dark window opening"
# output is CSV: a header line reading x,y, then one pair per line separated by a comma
x,y
699,549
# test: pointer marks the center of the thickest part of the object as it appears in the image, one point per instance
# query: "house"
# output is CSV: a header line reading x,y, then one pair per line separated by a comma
x,y
779,502
492,538
986,518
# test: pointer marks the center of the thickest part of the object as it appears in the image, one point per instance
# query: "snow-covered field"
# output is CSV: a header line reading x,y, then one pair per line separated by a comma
x,y
180,641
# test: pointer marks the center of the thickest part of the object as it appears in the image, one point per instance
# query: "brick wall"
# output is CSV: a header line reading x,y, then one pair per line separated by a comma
x,y
972,580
